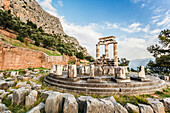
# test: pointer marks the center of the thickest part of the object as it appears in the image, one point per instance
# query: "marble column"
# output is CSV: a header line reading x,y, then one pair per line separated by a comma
x,y
106,51
97,51
115,55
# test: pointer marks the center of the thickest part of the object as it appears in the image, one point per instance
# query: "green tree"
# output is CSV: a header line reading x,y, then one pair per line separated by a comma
x,y
123,62
161,53
80,55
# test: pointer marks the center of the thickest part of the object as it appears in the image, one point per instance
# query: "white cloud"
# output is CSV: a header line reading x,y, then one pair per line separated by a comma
x,y
111,26
60,2
155,31
158,10
146,29
135,48
165,20
143,5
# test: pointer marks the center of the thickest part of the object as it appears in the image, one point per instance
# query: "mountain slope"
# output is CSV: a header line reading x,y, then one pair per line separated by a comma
x,y
31,10
138,62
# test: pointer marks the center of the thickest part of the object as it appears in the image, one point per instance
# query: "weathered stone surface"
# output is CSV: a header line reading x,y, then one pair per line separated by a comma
x,y
9,96
70,105
142,72
87,70
4,94
29,101
111,98
3,84
92,70
156,105
72,71
145,108
14,73
3,108
166,102
18,96
33,93
132,108
120,73
98,70
81,101
45,94
37,108
105,70
111,70
103,106
54,100
119,108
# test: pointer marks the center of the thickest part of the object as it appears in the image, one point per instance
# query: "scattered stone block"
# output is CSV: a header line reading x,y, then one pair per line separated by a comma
x,y
3,108
166,102
54,100
132,108
3,84
156,105
19,96
9,96
145,108
81,102
33,93
119,108
87,70
4,95
45,94
111,70
29,101
69,104
37,108
111,98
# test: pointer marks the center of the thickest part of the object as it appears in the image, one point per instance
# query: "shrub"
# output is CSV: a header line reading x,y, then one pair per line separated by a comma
x,y
21,39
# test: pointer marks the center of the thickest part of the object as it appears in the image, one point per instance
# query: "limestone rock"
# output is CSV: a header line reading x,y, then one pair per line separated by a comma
x,y
33,93
99,106
3,108
132,108
92,70
70,105
119,108
81,101
145,108
3,84
18,96
156,105
9,96
54,100
29,101
45,94
37,108
111,98
166,102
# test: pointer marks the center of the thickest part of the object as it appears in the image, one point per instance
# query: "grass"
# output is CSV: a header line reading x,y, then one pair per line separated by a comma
x,y
17,43
164,93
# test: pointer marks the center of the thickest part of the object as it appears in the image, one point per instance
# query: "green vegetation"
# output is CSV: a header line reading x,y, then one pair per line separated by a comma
x,y
165,93
123,62
37,36
161,53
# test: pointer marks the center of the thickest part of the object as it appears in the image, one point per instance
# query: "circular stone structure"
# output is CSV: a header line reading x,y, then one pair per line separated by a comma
x,y
103,85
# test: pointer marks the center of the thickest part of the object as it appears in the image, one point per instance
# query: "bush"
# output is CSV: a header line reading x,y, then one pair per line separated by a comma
x,y
21,39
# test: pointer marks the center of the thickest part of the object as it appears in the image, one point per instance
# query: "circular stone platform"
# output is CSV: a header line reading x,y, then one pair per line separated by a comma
x,y
106,87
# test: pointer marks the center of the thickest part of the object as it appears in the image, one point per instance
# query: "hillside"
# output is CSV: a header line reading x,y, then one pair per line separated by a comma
x,y
138,62
32,11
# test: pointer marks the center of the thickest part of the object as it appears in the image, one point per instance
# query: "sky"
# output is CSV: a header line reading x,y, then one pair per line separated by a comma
x,y
136,24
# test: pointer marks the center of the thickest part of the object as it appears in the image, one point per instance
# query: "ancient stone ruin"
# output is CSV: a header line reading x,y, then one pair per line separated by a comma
x,y
103,77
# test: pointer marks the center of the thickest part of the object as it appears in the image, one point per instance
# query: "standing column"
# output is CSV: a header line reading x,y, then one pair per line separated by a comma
x,y
115,54
106,50
97,51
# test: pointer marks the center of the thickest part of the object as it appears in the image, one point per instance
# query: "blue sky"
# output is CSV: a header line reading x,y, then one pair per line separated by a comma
x,y
135,23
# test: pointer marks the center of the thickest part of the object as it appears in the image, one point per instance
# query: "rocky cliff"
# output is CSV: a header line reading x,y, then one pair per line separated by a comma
x,y
31,10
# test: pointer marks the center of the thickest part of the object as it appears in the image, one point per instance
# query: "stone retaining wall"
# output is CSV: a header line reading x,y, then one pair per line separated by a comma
x,y
12,57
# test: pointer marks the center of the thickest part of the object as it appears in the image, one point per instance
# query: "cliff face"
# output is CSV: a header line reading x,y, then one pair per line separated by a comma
x,y
31,10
